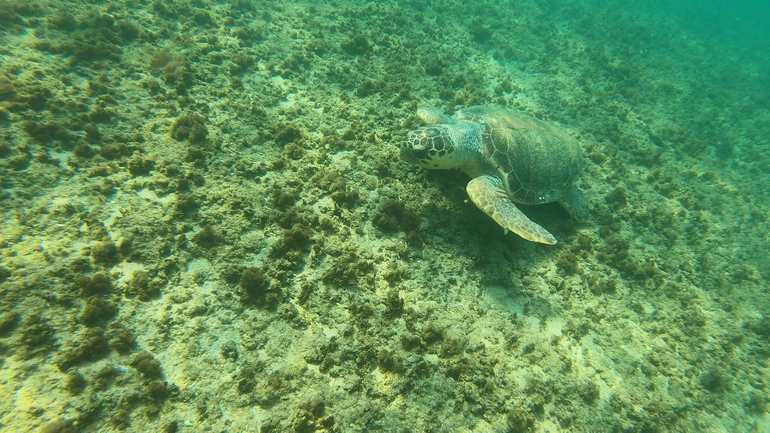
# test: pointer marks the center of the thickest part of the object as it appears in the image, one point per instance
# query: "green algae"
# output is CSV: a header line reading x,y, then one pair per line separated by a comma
x,y
205,221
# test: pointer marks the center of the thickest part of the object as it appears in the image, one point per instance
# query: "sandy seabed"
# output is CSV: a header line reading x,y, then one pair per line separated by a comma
x,y
205,224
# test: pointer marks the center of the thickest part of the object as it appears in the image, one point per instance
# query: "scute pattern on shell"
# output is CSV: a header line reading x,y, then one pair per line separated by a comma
x,y
538,162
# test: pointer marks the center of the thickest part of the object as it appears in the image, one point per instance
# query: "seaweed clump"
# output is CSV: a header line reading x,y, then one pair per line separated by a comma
x,y
394,305
762,327
393,215
356,45
189,127
256,288
75,383
122,339
349,269
97,284
388,362
714,381
341,193
520,421
298,238
139,166
105,252
186,205
147,366
311,416
481,33
208,238
567,263
156,389
8,323
142,287
247,378
288,134
37,333
615,253
96,310
4,274
90,346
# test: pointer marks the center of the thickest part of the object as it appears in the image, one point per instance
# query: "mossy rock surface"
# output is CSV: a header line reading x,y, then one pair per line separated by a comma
x,y
204,217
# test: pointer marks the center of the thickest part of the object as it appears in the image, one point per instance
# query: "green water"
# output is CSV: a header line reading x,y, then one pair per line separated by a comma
x,y
205,224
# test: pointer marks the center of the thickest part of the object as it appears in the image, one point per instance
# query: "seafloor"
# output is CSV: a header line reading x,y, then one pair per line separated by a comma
x,y
205,225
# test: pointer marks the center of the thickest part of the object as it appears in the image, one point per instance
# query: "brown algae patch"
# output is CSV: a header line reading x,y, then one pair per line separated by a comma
x,y
205,222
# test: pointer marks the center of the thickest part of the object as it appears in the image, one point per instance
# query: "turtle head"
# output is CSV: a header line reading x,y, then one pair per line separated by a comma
x,y
432,147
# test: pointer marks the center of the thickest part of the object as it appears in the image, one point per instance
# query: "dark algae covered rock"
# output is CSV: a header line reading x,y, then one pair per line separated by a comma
x,y
206,224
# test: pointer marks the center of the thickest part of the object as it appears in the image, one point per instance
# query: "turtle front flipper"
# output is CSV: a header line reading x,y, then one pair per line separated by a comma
x,y
493,201
433,116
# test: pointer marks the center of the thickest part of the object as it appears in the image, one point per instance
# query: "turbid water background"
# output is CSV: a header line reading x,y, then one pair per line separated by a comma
x,y
205,224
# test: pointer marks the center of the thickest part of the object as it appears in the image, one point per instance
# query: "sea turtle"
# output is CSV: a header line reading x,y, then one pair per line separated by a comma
x,y
512,158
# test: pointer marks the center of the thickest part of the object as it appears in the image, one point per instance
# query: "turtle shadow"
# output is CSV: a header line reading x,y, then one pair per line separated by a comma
x,y
552,216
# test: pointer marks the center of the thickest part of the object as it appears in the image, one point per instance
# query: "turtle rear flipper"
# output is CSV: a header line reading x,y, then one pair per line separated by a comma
x,y
493,201
576,204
